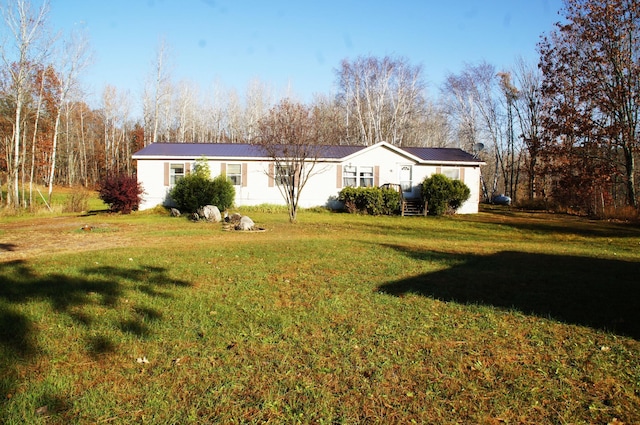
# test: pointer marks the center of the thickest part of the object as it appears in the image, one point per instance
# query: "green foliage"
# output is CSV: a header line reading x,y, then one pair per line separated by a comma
x,y
459,195
224,192
122,193
443,194
370,200
201,167
197,190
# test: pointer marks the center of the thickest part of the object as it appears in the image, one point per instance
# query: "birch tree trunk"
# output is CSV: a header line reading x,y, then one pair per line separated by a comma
x,y
27,29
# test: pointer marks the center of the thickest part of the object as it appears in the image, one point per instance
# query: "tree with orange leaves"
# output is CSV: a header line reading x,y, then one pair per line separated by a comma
x,y
591,87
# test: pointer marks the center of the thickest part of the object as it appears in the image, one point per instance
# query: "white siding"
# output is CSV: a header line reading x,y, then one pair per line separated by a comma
x,y
322,188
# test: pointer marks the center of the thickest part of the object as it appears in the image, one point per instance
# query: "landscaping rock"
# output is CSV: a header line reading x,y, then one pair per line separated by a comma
x,y
233,218
175,212
210,213
245,224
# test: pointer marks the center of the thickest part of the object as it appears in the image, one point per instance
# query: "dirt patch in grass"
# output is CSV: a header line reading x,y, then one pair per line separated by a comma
x,y
35,237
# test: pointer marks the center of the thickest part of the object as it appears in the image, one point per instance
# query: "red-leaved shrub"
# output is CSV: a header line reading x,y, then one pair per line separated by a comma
x,y
122,193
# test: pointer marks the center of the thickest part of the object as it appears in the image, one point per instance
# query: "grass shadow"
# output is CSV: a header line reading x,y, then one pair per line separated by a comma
x,y
599,293
20,284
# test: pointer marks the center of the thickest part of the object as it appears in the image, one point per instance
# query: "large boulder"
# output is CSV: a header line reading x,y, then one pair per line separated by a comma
x,y
210,213
245,224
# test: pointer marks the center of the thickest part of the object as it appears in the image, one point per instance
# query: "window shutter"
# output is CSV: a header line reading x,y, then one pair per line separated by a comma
x,y
462,174
244,174
187,168
339,176
438,170
223,169
376,176
271,175
166,174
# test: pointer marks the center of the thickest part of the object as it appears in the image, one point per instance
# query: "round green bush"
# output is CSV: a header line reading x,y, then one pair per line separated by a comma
x,y
224,193
196,190
442,194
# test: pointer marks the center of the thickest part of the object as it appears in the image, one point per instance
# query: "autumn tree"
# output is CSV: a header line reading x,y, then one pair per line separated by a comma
x,y
591,84
288,136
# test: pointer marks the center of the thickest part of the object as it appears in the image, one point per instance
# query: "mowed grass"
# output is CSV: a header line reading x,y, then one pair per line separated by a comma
x,y
500,317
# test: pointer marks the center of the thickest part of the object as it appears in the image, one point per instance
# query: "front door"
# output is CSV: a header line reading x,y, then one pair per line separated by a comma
x,y
406,181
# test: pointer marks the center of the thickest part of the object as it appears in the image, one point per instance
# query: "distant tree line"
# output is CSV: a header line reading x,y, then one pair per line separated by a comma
x,y
562,132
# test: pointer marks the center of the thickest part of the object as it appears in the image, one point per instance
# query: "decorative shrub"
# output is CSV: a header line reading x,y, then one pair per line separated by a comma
x,y
196,190
443,194
370,200
122,193
224,192
459,195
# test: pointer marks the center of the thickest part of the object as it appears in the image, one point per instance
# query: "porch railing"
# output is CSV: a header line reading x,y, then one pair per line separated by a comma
x,y
408,206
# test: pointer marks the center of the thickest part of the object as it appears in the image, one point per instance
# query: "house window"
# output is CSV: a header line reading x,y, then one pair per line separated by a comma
x,y
234,173
284,175
366,176
176,172
353,176
349,176
451,172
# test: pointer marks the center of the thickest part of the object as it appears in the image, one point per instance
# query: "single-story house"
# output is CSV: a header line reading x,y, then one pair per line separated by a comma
x,y
160,165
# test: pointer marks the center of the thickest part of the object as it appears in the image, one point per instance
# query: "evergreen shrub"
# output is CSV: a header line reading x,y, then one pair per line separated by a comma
x,y
443,195
196,190
370,200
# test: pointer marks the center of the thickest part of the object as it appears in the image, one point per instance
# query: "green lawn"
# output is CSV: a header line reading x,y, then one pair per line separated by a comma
x,y
496,318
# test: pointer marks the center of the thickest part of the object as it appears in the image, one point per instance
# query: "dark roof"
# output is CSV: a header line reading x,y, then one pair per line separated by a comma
x,y
230,150
441,154
199,149
242,150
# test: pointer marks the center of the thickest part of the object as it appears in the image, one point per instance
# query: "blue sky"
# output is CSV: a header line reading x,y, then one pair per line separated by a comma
x,y
297,43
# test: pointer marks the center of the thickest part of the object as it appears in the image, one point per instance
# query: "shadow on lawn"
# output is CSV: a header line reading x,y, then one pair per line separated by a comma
x,y
599,293
67,295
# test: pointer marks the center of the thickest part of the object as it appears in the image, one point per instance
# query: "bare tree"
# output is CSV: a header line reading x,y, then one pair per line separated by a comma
x,y
510,163
528,107
433,128
30,46
474,93
288,136
75,57
161,88
185,104
233,118
258,100
329,120
381,98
